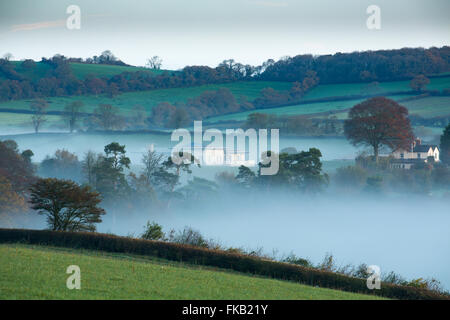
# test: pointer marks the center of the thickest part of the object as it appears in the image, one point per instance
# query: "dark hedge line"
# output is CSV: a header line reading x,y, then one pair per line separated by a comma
x,y
215,258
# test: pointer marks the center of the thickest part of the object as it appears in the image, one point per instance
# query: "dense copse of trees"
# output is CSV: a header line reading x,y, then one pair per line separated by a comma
x,y
63,164
301,172
367,66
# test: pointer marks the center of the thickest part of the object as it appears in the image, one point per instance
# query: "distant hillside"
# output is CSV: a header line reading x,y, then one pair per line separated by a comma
x,y
80,70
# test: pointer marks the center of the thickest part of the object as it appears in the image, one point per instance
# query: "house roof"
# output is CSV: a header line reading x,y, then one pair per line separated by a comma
x,y
424,147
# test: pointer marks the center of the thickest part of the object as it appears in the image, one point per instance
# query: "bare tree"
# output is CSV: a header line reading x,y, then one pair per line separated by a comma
x,y
151,161
89,165
72,113
39,109
154,62
8,56
107,117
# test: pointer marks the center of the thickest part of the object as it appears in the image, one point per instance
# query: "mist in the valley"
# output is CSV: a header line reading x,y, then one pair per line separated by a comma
x,y
405,233
408,235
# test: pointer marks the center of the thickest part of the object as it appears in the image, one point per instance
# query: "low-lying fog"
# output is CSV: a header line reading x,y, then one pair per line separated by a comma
x,y
44,144
408,235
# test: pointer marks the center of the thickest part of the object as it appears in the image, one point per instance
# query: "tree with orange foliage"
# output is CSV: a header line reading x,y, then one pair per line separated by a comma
x,y
67,206
419,83
379,122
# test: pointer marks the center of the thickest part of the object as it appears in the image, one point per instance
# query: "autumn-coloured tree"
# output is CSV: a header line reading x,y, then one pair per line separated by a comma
x,y
16,167
10,200
39,109
67,206
379,122
419,83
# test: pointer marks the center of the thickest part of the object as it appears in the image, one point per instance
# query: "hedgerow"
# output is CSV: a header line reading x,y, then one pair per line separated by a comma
x,y
214,258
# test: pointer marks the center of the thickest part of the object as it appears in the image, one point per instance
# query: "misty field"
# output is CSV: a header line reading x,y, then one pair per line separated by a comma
x,y
34,272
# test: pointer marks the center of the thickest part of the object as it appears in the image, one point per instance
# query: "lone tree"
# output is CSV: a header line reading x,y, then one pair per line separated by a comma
x,y
445,145
379,122
68,206
419,83
72,112
39,109
154,62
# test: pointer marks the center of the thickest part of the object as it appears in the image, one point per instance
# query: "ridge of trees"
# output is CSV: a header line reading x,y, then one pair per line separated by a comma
x,y
367,66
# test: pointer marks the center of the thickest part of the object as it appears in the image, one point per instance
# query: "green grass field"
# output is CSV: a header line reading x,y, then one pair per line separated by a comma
x,y
345,89
149,99
37,272
81,70
16,120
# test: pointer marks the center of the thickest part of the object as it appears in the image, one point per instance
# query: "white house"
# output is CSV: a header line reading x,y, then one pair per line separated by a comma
x,y
418,153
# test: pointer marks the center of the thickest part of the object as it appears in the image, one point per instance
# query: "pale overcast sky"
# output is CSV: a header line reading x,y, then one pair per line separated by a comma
x,y
205,32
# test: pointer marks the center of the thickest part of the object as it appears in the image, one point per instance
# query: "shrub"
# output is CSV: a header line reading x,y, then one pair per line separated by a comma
x,y
153,231
293,259
190,237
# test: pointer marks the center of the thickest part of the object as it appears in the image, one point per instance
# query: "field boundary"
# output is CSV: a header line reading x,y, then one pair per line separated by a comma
x,y
213,258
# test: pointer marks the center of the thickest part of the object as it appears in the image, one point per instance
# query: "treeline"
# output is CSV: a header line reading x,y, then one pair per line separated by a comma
x,y
59,80
367,66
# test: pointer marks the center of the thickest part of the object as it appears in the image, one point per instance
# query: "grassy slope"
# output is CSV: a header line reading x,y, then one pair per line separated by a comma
x,y
33,272
331,90
299,109
81,70
149,99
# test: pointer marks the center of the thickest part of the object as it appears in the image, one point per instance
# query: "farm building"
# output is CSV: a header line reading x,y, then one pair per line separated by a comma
x,y
418,153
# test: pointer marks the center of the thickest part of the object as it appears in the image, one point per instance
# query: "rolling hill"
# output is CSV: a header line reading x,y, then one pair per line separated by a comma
x,y
39,272
426,107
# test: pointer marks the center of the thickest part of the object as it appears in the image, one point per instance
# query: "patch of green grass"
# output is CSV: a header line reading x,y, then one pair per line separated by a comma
x,y
82,70
36,272
346,89
425,107
8,119
149,99
429,107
